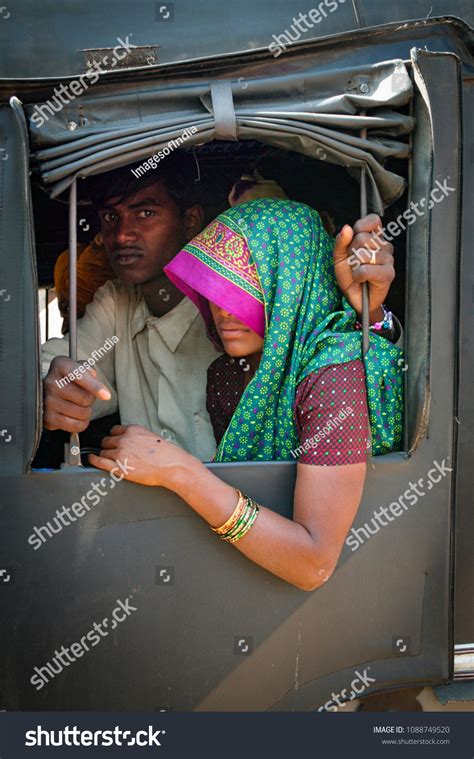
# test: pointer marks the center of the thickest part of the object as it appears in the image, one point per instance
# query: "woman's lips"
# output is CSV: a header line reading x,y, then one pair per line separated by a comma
x,y
232,331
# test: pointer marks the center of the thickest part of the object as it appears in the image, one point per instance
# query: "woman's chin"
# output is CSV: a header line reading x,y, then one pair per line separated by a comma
x,y
240,346
233,350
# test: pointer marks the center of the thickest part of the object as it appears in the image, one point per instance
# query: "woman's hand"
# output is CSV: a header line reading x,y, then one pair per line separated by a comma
x,y
151,459
362,254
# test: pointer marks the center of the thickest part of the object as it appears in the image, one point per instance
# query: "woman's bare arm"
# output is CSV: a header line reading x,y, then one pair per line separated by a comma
x,y
303,551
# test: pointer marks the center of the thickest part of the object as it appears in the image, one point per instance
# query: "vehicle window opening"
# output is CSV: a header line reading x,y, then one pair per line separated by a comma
x,y
328,188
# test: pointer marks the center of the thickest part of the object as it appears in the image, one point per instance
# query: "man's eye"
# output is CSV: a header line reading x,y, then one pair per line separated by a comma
x,y
145,213
109,216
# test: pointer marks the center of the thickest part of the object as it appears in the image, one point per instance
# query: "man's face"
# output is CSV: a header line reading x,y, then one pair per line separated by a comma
x,y
143,232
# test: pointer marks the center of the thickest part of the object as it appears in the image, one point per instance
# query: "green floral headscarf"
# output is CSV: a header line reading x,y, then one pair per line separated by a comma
x,y
308,325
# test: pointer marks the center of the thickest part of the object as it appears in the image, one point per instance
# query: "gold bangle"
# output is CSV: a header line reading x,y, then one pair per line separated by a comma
x,y
234,517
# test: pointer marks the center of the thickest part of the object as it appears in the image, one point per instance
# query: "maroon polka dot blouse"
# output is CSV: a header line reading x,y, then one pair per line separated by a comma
x,y
330,410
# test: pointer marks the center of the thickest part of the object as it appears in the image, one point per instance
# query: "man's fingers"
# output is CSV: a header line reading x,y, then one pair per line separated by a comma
x,y
343,240
369,223
69,395
65,408
93,386
64,372
70,392
55,421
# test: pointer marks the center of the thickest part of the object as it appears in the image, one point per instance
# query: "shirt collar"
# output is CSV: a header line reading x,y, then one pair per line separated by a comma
x,y
172,327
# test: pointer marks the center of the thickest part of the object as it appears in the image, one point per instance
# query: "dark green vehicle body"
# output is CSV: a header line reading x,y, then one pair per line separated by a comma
x,y
413,581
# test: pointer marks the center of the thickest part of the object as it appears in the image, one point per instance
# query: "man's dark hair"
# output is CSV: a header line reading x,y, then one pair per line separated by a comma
x,y
178,173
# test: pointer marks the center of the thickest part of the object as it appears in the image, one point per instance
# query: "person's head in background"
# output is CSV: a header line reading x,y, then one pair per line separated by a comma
x,y
145,221
92,271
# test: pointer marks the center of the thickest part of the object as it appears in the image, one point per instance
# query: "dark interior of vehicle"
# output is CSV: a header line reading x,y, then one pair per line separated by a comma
x,y
219,164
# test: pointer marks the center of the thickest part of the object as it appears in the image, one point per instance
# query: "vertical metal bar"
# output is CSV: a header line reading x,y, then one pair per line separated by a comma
x,y
73,271
365,287
72,449
407,315
46,314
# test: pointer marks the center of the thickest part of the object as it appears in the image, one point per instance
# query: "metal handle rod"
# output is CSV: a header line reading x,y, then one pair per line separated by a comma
x,y
72,449
73,271
365,287
46,314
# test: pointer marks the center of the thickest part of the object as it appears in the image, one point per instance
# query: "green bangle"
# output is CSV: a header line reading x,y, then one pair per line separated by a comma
x,y
239,524
247,526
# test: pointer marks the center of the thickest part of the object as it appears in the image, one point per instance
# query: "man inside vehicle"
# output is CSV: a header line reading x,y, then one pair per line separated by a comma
x,y
156,372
